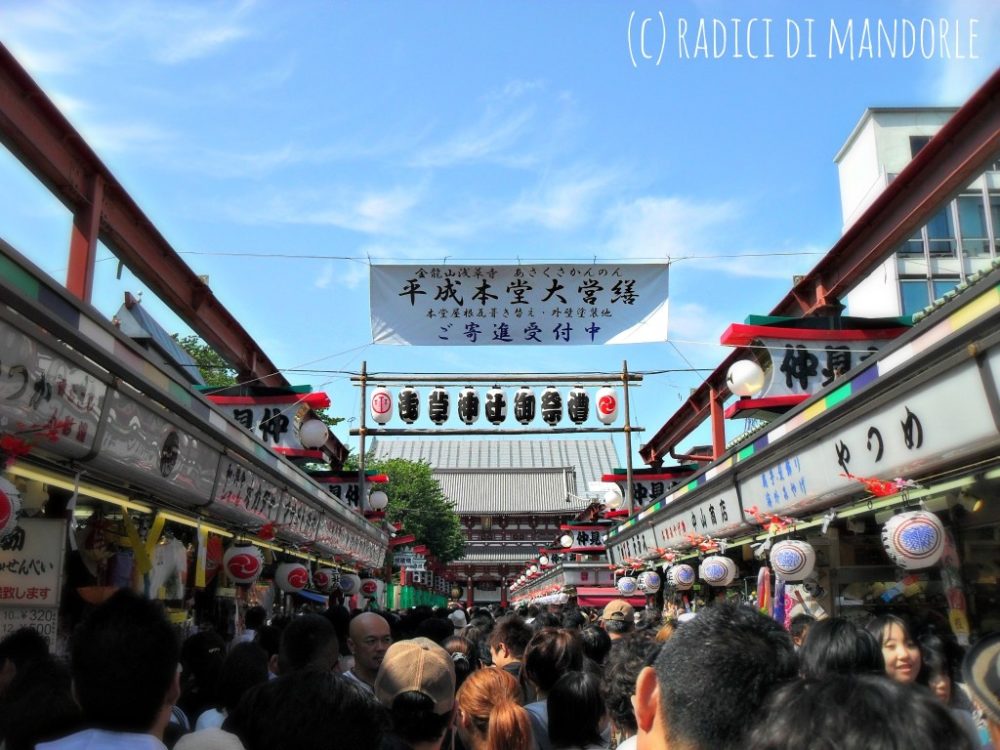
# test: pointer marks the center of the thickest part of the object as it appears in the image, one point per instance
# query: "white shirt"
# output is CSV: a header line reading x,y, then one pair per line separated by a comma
x,y
349,674
101,739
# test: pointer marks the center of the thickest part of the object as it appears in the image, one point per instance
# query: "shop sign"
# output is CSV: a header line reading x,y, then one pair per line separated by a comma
x,y
31,565
142,446
933,424
803,367
409,560
42,392
338,539
511,305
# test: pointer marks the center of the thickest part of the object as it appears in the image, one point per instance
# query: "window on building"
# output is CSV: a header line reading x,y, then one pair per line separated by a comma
x,y
941,234
995,219
917,142
914,295
940,287
972,225
913,247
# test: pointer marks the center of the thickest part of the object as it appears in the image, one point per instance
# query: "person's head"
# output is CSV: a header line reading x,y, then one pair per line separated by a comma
x,y
508,640
124,659
458,619
464,655
981,673
838,646
862,711
621,670
574,619
245,666
436,629
937,668
305,710
576,711
369,638
23,646
416,682
799,628
710,679
490,716
618,618
596,643
255,617
307,641
268,638
899,649
39,707
550,654
666,630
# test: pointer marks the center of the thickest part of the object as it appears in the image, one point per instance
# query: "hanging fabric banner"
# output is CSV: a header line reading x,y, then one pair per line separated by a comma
x,y
500,305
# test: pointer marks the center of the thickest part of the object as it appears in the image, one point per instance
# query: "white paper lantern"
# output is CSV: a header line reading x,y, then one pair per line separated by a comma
x,y
350,584
313,433
606,404
566,540
10,506
437,405
496,405
532,568
745,378
793,560
649,582
377,500
524,405
243,563
324,579
914,540
627,585
468,405
369,587
291,577
680,577
614,499
543,560
718,570
380,404
577,405
409,404
551,406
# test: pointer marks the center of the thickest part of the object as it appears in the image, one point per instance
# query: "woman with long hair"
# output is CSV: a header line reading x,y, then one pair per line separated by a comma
x,y
489,715
899,648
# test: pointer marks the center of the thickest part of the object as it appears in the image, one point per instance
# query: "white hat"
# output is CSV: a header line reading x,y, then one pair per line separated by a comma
x,y
458,619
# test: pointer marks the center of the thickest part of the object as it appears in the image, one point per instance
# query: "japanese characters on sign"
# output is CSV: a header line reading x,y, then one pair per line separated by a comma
x,y
501,305
31,565
804,367
41,392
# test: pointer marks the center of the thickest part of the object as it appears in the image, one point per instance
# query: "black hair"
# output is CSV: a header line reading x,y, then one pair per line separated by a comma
x,y
838,646
23,646
550,654
268,638
800,624
435,629
575,709
465,655
39,707
414,720
715,671
621,669
341,620
545,620
255,617
305,710
863,711
124,661
596,643
512,632
574,619
202,655
308,640
245,666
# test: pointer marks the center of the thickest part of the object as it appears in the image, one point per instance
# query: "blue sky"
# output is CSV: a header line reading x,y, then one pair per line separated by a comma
x,y
413,131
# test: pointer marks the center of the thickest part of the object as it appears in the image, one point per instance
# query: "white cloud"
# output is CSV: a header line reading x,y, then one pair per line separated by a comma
x,y
325,276
192,44
564,203
491,137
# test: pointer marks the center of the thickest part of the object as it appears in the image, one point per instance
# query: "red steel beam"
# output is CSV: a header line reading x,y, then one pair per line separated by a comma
x,y
38,134
953,158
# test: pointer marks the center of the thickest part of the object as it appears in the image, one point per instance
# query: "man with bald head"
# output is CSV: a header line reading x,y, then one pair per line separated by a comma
x,y
368,638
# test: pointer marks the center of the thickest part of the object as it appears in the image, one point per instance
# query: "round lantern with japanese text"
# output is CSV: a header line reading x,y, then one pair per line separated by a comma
x,y
408,404
437,405
577,405
718,570
627,585
243,563
914,540
680,577
325,579
350,584
793,560
551,406
496,405
606,404
10,506
381,404
524,405
649,582
468,405
291,577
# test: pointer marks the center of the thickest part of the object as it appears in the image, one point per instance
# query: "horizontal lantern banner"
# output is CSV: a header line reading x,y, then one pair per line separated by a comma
x,y
501,305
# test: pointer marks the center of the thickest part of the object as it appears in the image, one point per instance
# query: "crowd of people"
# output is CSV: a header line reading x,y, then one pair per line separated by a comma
x,y
725,677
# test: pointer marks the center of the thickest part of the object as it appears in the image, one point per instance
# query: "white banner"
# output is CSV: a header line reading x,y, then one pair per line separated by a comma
x,y
498,305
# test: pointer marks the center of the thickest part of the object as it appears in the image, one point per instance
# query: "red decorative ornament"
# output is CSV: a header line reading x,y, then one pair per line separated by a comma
x,y
243,563
266,532
10,504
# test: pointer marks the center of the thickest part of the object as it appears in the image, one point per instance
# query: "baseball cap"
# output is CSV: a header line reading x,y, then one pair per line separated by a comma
x,y
981,671
618,609
418,665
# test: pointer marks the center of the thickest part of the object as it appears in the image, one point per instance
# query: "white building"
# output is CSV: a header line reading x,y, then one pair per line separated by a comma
x,y
961,239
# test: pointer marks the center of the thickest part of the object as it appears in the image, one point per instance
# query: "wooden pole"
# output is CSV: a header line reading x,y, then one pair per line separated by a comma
x,y
362,431
628,441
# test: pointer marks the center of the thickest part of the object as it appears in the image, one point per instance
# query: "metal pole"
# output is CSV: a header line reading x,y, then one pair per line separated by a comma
x,y
628,441
397,431
362,496
524,377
